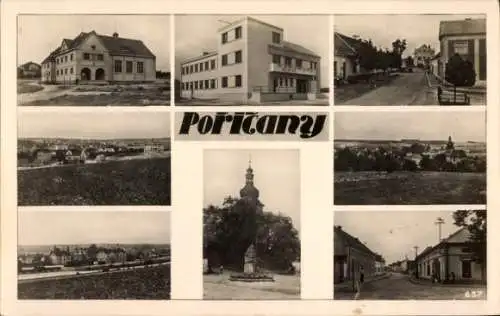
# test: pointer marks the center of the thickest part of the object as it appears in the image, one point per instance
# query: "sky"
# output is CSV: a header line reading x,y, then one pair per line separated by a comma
x,y
384,29
276,176
393,234
431,125
195,34
86,227
38,35
93,125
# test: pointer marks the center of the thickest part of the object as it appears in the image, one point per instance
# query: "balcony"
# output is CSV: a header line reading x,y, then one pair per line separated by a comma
x,y
292,70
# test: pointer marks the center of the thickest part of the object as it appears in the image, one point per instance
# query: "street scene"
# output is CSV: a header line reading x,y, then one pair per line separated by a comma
x,y
122,255
94,60
414,255
251,251
381,60
89,157
257,60
412,158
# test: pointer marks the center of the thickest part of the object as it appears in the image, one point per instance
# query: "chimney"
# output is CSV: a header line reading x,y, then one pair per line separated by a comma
x,y
115,35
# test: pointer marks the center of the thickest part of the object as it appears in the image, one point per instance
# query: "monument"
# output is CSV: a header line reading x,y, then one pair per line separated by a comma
x,y
250,194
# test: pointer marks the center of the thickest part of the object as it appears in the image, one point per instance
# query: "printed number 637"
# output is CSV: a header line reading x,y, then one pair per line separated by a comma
x,y
474,294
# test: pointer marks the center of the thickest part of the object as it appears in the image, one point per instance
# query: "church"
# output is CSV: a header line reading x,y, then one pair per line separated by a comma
x,y
95,58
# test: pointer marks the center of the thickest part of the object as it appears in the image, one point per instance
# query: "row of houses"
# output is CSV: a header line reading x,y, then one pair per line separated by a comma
x,y
352,257
79,255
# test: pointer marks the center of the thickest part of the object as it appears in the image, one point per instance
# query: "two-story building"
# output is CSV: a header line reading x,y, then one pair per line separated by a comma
x,y
92,58
466,38
252,63
451,259
423,55
351,257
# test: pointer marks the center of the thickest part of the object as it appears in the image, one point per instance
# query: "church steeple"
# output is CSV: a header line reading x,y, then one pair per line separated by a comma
x,y
249,190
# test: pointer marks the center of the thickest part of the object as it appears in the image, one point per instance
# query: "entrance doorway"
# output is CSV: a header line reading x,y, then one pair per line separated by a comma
x,y
301,86
436,269
99,74
85,74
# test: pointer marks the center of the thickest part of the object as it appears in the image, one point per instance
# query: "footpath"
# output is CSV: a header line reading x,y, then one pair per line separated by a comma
x,y
433,81
429,282
347,286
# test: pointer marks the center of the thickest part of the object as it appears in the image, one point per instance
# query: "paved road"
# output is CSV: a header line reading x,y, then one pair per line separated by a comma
x,y
407,89
398,287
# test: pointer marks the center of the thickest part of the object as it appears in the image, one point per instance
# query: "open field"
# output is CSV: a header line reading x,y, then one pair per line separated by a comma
x,y
157,93
218,287
146,283
28,86
365,188
129,182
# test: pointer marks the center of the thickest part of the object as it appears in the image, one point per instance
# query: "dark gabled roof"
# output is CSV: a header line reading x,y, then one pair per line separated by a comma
x,y
353,241
345,45
26,65
446,240
462,27
296,48
115,46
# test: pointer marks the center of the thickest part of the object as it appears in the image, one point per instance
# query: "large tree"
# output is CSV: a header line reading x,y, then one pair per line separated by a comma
x,y
460,73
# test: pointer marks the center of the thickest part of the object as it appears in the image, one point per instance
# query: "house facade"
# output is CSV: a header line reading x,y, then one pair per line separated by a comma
x,y
252,63
345,56
92,57
351,257
30,70
466,38
452,258
423,55
59,257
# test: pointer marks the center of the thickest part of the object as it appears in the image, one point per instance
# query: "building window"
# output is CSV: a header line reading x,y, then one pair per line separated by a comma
x,y
224,82
276,59
466,269
100,57
118,66
237,32
237,81
71,57
212,64
335,68
224,60
129,66
224,38
288,61
276,38
66,71
212,83
298,63
86,56
206,84
140,67
190,69
196,68
237,57
66,58
201,84
196,85
201,67
191,85
206,66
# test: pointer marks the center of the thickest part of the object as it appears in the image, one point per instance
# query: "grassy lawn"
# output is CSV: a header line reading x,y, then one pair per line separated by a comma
x,y
365,188
107,99
147,283
350,91
132,182
28,87
218,287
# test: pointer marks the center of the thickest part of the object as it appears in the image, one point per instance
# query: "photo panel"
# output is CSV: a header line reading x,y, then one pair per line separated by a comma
x,y
410,158
410,255
252,60
380,60
251,224
90,157
93,255
94,60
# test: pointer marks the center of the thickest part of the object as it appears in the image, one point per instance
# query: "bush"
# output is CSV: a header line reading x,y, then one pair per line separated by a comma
x,y
359,77
460,72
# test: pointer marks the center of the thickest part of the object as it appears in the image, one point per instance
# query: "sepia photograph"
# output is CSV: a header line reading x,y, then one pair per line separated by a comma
x,y
429,157
252,60
381,60
94,60
251,225
93,158
410,255
110,255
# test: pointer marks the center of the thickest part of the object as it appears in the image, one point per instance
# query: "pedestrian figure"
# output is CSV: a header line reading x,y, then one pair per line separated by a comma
x,y
361,276
221,269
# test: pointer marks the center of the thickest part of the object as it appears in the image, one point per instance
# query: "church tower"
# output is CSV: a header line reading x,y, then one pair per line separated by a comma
x,y
249,192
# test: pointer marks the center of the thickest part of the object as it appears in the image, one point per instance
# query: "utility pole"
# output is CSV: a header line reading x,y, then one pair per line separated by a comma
x,y
439,221
415,262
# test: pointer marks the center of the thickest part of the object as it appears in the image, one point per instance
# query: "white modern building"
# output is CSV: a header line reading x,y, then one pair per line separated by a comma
x,y
252,63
